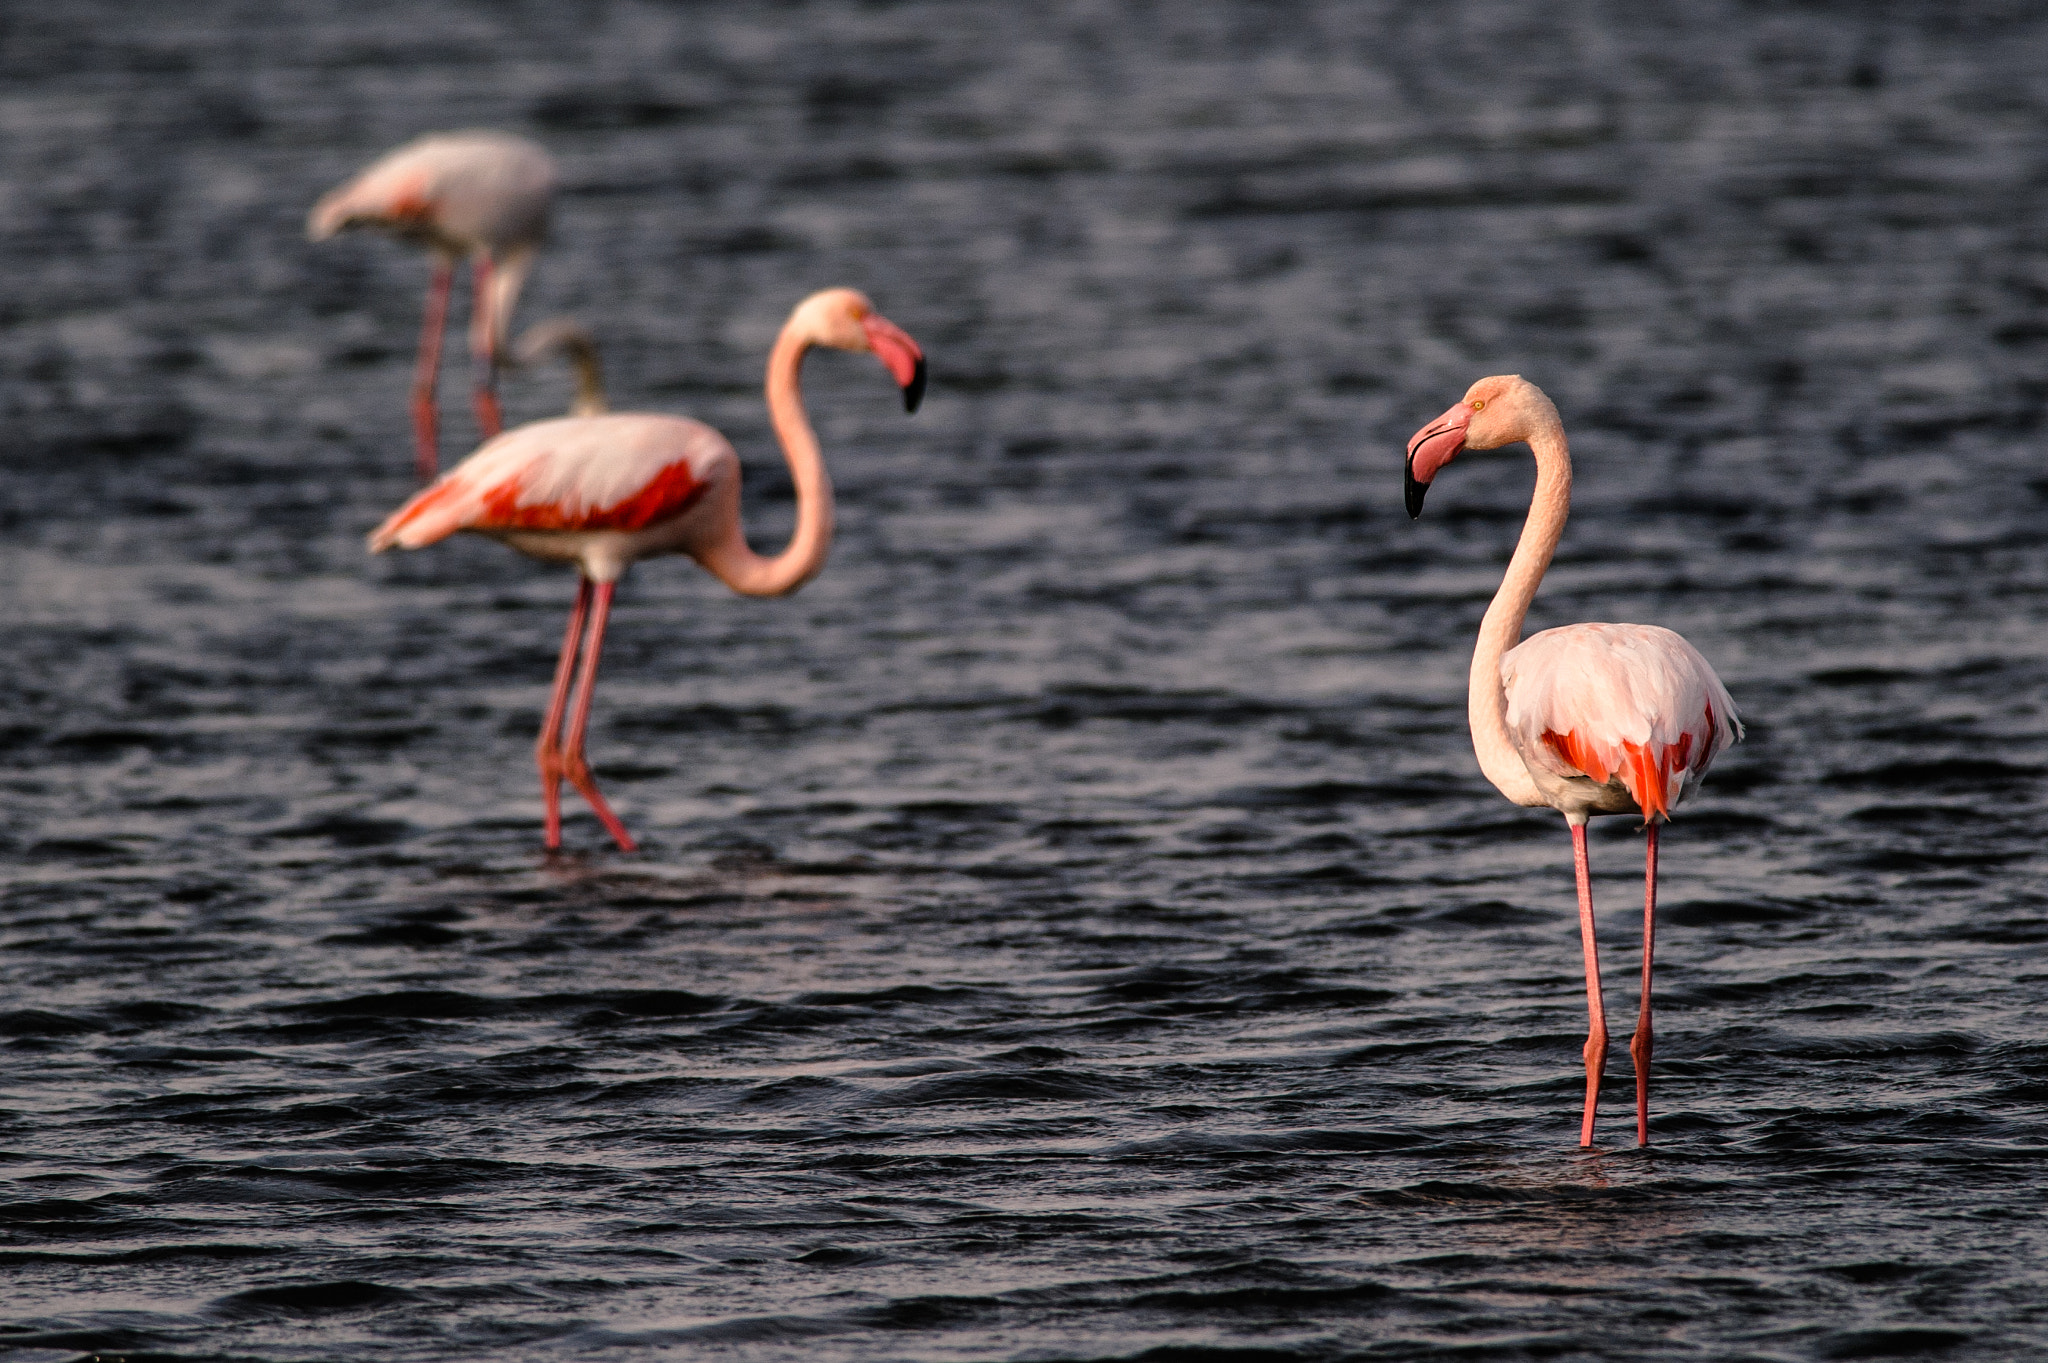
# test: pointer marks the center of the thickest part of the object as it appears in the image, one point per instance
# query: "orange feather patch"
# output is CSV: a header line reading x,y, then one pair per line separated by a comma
x,y
1645,769
411,203
667,495
421,503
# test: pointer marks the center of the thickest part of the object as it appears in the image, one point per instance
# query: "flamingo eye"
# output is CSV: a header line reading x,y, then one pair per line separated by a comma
x,y
1478,404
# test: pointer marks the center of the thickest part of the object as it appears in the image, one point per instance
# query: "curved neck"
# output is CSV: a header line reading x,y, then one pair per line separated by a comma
x,y
579,349
1501,629
734,562
590,396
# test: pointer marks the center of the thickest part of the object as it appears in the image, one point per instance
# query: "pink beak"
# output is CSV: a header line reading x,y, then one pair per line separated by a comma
x,y
1429,449
894,348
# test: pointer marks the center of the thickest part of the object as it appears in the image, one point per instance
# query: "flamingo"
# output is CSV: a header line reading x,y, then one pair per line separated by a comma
x,y
1587,719
578,348
603,491
481,194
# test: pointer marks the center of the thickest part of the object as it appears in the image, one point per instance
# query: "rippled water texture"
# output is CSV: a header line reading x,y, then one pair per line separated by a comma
x,y
1074,926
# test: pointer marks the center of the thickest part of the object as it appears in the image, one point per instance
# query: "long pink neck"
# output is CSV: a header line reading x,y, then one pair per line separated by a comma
x,y
735,563
1501,630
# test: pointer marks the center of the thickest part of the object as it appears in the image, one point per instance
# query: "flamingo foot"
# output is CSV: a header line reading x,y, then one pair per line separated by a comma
x,y
1639,1051
1596,1066
550,795
577,770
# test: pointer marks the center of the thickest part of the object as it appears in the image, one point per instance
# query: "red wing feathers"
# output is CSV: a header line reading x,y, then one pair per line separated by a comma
x,y
618,472
1654,776
1630,701
410,200
669,493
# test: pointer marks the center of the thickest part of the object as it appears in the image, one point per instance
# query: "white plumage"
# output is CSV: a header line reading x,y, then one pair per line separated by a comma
x,y
559,475
1587,719
466,191
1620,695
470,194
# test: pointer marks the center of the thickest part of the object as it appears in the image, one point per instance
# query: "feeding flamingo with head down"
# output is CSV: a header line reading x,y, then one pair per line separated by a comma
x,y
604,491
1587,719
481,194
579,349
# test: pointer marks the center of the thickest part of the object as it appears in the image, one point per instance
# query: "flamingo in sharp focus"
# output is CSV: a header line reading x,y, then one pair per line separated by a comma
x,y
1587,719
480,194
604,491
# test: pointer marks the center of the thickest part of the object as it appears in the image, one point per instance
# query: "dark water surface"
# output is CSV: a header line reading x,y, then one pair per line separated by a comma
x,y
1074,926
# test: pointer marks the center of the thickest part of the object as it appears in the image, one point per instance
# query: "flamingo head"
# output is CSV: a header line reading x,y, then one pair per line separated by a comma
x,y
845,320
1495,411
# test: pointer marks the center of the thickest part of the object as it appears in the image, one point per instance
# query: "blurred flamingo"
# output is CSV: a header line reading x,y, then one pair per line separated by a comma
x,y
1587,719
578,348
602,492
481,194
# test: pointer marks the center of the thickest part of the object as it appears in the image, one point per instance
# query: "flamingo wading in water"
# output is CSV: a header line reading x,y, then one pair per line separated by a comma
x,y
603,491
480,194
579,350
1587,719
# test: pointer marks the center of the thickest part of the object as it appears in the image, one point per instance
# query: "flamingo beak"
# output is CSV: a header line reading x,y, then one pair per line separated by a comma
x,y
1429,449
902,356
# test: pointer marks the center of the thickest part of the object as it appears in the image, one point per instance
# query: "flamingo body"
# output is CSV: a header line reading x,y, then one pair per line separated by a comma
x,y
1587,719
469,194
599,491
464,193
1615,719
602,490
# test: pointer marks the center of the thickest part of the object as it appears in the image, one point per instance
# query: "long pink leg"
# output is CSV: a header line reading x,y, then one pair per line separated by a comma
x,y
1596,1011
575,765
483,350
1639,1044
425,421
547,752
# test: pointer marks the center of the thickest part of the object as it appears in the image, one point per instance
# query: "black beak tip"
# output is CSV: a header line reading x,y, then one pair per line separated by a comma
x,y
913,392
1413,490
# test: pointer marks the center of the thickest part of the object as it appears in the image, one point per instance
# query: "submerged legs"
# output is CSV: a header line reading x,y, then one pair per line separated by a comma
x,y
425,421
574,765
1639,1044
560,755
1596,1011
547,751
